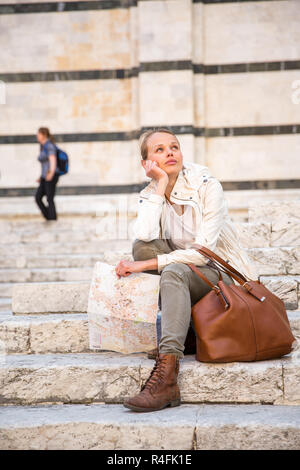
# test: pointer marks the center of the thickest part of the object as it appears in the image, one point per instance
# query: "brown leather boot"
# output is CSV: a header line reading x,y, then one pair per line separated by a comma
x,y
160,389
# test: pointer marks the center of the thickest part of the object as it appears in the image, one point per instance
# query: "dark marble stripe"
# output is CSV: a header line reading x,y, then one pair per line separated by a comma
x,y
180,130
51,7
166,65
57,7
149,67
76,137
77,190
207,2
261,184
137,187
252,130
69,75
247,67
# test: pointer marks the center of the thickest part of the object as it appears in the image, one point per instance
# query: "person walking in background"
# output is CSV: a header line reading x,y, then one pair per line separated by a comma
x,y
50,173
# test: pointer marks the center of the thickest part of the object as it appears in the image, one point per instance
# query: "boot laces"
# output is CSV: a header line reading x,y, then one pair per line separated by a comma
x,y
156,376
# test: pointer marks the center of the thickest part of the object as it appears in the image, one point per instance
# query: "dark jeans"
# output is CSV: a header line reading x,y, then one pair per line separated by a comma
x,y
47,188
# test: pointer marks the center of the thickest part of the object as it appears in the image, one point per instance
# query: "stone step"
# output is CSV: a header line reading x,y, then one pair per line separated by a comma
x,y
55,297
267,260
239,201
83,229
259,234
5,304
5,289
39,227
98,228
60,333
285,287
185,427
66,247
109,377
30,260
64,333
60,297
45,275
90,205
271,211
276,260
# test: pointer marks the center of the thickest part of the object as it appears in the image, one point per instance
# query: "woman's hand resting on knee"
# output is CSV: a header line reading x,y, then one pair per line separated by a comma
x,y
125,267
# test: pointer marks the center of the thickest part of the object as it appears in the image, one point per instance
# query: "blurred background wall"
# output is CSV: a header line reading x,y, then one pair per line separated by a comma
x,y
225,76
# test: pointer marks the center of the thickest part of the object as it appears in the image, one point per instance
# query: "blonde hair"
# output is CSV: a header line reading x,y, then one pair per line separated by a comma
x,y
143,140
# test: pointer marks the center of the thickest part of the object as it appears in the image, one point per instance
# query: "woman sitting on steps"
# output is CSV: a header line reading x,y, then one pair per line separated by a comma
x,y
182,208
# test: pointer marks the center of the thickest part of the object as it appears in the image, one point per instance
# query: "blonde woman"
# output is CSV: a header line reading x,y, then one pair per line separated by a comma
x,y
182,208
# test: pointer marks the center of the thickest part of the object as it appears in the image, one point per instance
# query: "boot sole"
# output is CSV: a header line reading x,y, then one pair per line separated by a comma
x,y
138,408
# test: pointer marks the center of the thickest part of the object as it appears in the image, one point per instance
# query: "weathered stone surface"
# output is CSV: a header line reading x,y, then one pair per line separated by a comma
x,y
16,212
293,263
291,381
258,149
248,428
5,304
283,212
5,290
158,20
115,427
45,275
97,427
45,334
294,319
285,233
71,247
50,298
285,287
239,201
81,378
276,260
68,335
31,261
14,336
109,377
254,235
64,333
120,318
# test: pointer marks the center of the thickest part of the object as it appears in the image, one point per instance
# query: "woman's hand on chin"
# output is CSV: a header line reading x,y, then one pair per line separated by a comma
x,y
125,267
154,171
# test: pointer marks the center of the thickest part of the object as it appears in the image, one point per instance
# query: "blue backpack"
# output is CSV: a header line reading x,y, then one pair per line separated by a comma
x,y
62,162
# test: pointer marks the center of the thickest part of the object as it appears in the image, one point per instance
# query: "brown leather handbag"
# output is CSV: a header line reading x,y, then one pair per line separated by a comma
x,y
244,322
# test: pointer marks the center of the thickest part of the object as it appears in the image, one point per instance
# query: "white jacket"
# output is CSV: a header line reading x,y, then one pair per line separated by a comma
x,y
215,229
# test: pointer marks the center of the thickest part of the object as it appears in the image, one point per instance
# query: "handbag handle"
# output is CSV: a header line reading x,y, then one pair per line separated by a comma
x,y
210,254
214,287
250,285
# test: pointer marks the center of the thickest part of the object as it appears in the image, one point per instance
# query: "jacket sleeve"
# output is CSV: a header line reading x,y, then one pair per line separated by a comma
x,y
147,224
214,211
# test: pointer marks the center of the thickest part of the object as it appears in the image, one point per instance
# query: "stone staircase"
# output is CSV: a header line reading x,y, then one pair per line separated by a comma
x,y
56,394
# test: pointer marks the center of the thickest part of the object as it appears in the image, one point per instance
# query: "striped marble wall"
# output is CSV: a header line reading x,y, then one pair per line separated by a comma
x,y
224,75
